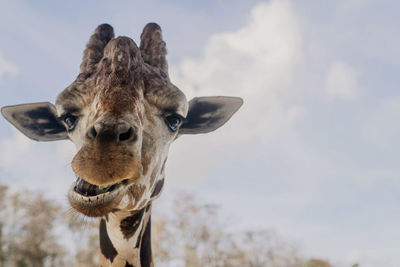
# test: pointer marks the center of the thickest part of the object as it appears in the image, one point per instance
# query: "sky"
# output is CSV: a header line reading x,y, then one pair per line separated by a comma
x,y
313,153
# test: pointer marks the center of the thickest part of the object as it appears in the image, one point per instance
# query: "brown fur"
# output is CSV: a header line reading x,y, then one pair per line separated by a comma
x,y
104,164
137,191
130,224
153,176
146,160
157,188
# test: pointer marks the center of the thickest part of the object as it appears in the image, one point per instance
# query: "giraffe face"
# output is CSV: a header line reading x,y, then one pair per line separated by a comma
x,y
122,128
122,113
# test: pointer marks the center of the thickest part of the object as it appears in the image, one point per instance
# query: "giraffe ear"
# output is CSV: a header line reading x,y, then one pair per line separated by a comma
x,y
207,114
38,121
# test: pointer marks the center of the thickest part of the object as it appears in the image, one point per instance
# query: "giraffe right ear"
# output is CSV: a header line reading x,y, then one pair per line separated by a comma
x,y
38,121
207,114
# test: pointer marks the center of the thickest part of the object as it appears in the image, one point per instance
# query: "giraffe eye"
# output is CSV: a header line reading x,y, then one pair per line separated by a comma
x,y
173,122
70,120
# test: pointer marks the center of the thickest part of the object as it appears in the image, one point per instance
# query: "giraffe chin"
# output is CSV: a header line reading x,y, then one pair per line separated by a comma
x,y
96,205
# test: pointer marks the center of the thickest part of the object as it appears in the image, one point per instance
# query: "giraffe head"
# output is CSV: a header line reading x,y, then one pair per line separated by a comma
x,y
122,113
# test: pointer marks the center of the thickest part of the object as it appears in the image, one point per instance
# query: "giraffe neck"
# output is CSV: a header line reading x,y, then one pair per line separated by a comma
x,y
125,239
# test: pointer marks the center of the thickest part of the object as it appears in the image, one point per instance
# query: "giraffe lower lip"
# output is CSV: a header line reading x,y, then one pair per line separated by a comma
x,y
95,205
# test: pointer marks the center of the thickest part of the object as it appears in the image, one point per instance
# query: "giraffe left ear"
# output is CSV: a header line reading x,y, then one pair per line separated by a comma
x,y
207,114
38,121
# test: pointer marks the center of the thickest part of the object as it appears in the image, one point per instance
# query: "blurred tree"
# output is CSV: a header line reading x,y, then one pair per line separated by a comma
x,y
3,254
201,238
318,263
27,237
190,234
85,234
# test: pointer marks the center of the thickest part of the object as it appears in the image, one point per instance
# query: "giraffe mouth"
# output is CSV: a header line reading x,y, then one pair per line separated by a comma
x,y
93,200
87,189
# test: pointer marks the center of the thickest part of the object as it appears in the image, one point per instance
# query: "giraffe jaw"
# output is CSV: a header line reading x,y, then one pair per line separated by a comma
x,y
94,201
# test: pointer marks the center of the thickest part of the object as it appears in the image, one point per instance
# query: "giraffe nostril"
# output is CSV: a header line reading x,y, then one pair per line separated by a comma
x,y
128,135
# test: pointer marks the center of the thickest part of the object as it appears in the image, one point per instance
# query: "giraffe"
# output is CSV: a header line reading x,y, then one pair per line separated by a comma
x,y
122,113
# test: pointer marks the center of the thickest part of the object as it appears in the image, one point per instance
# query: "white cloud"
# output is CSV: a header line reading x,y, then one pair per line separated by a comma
x,y
267,64
341,81
7,67
257,62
